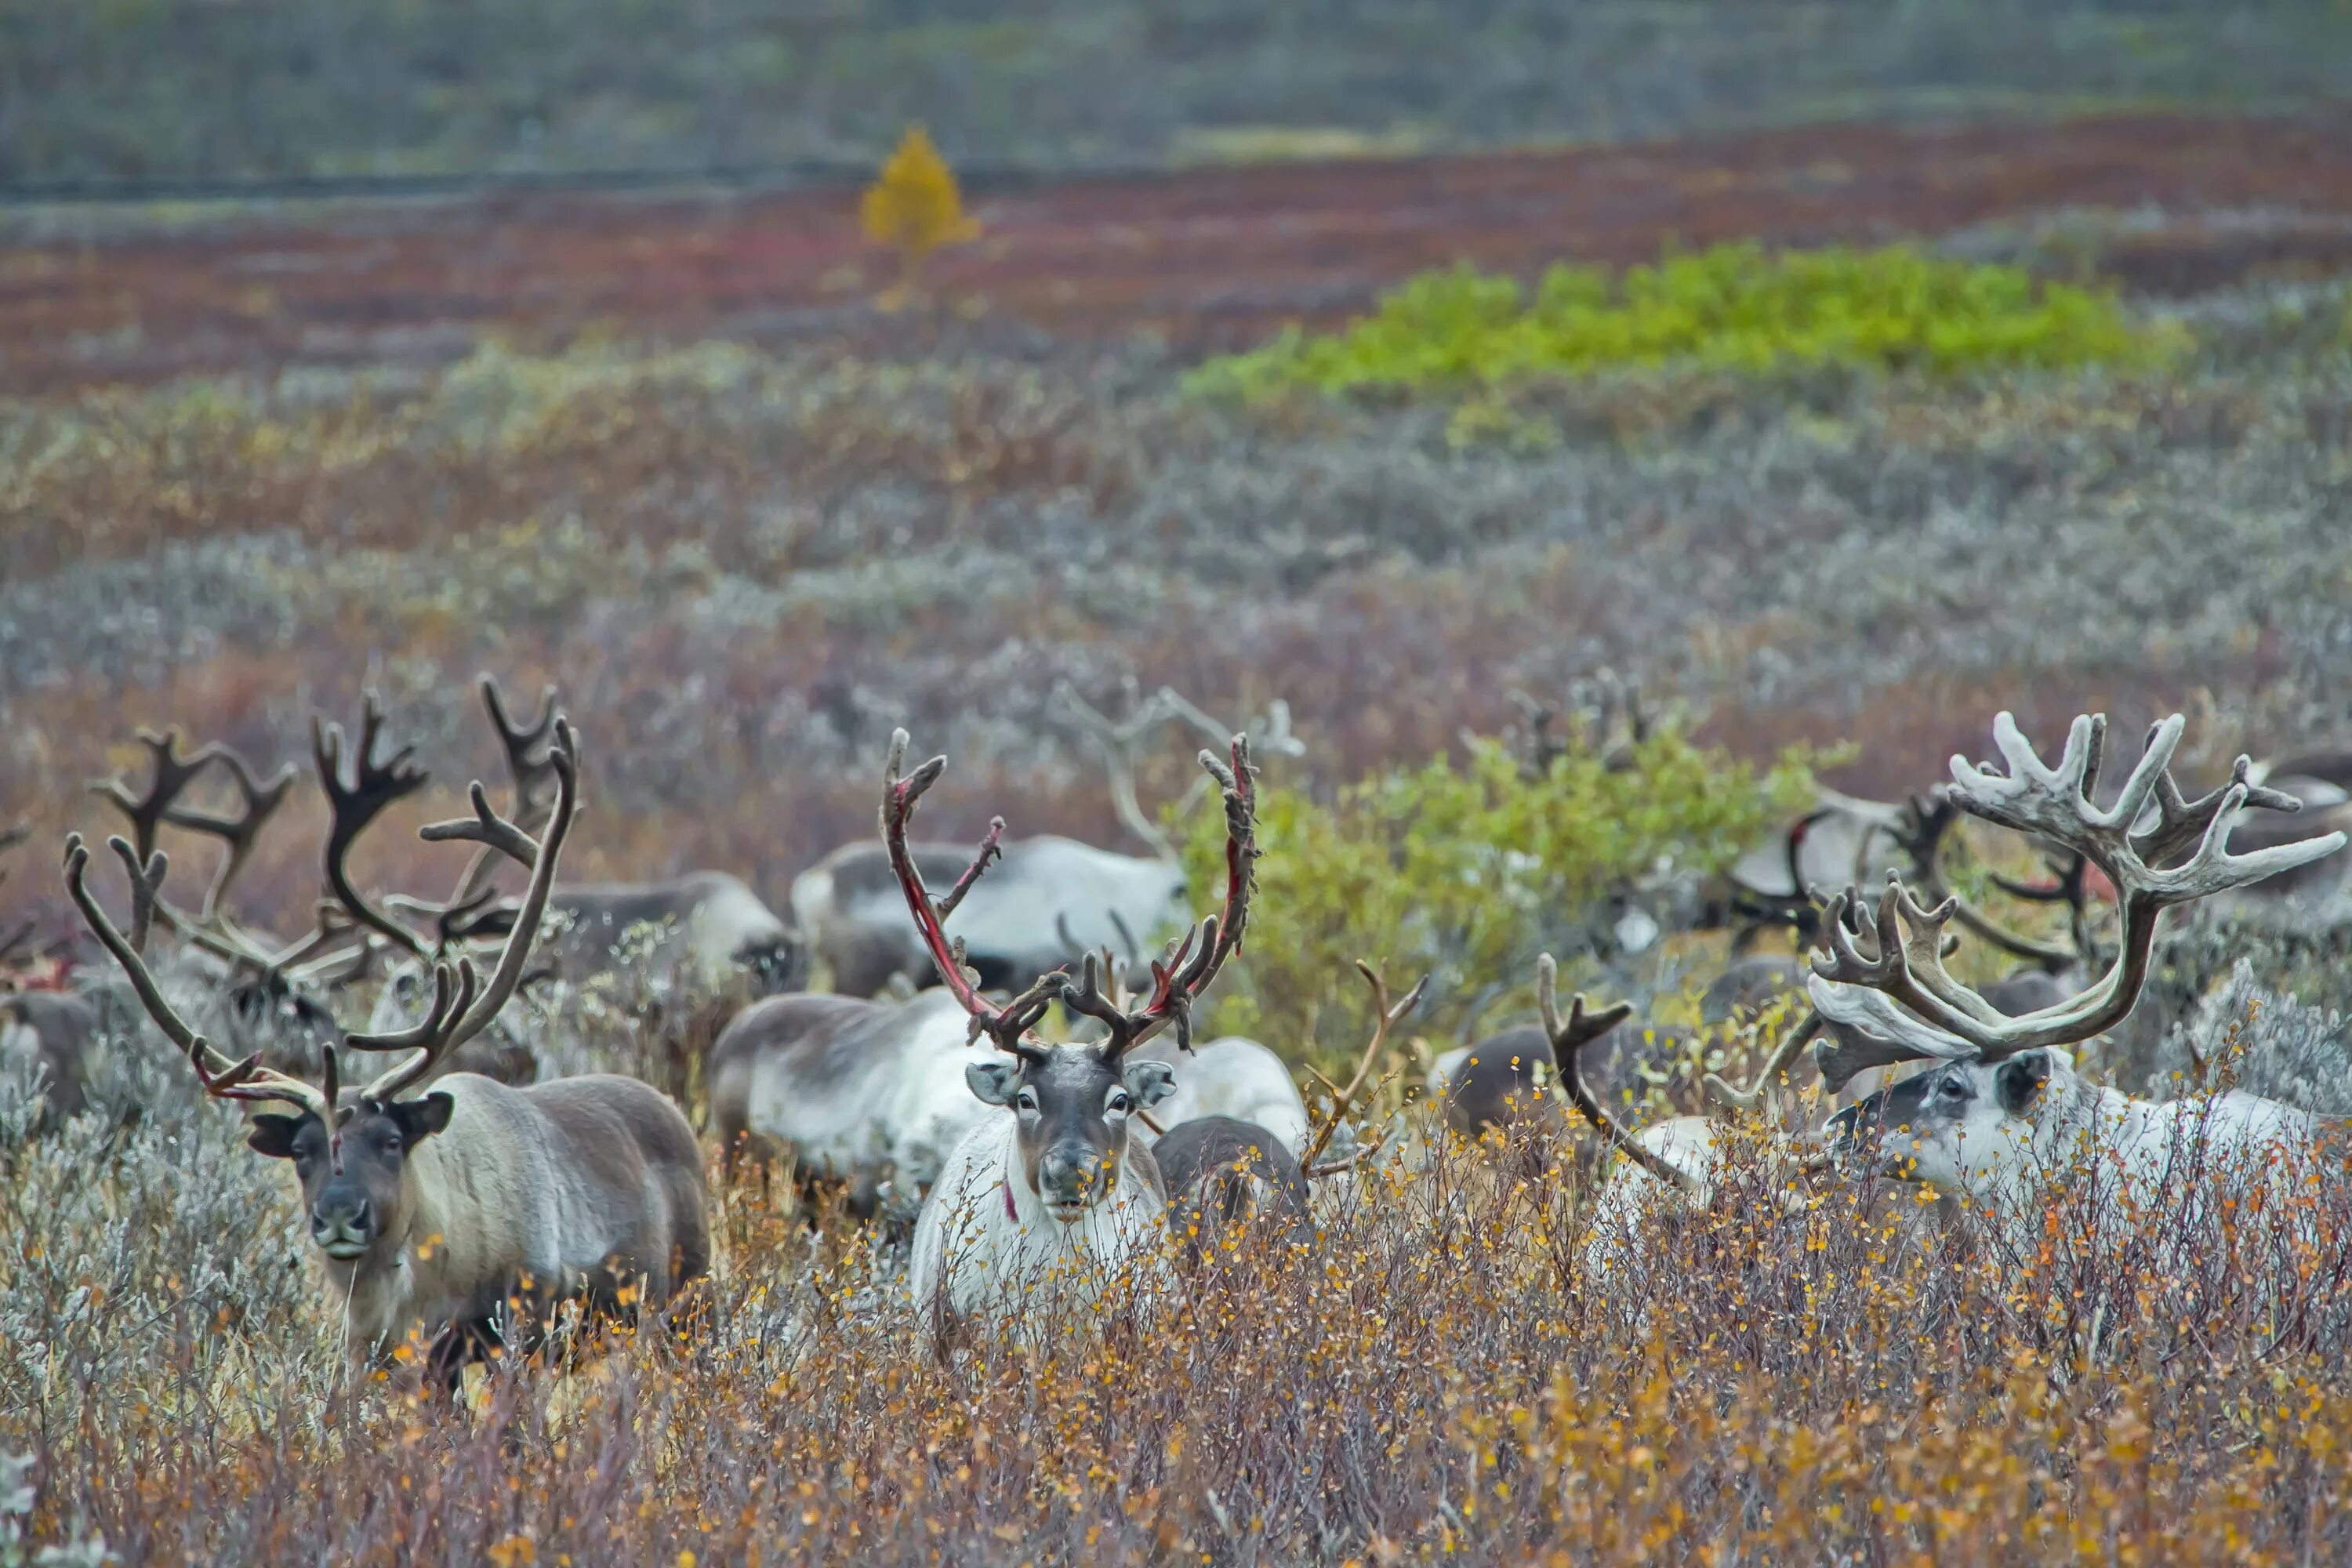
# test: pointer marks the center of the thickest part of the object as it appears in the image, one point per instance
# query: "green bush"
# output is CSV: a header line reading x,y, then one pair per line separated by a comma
x,y
1736,306
1465,871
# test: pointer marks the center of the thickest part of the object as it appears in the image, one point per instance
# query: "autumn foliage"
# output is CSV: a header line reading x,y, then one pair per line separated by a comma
x,y
913,206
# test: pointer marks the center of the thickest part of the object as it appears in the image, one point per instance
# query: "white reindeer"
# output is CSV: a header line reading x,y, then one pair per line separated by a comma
x,y
2005,1116
1054,1190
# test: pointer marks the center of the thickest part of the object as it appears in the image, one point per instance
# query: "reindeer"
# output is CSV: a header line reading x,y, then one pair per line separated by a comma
x,y
1680,1165
1050,900
2322,781
464,1211
1225,1169
2003,1117
869,1096
1232,1077
1060,1185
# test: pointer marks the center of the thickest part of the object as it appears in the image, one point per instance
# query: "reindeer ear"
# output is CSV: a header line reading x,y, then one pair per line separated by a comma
x,y
1150,1081
420,1119
2019,1079
995,1082
272,1135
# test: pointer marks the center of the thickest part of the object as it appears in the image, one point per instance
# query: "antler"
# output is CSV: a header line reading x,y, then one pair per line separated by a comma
x,y
260,802
1007,1025
374,785
1192,962
462,1006
528,748
221,1077
171,775
1116,743
1569,1038
533,777
1384,1018
1732,1098
1269,732
1901,994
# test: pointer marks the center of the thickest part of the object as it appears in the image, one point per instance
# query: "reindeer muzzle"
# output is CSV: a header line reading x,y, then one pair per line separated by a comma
x,y
345,1231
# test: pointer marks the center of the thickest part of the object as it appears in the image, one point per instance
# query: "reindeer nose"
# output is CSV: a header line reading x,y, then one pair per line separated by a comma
x,y
1067,1175
342,1219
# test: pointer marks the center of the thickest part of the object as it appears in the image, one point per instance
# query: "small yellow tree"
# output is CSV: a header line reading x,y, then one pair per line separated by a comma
x,y
914,206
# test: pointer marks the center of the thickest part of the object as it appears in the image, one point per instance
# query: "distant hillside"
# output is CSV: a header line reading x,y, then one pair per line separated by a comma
x,y
202,91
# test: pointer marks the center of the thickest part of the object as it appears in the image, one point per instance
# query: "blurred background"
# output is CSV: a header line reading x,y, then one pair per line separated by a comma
x,y
768,377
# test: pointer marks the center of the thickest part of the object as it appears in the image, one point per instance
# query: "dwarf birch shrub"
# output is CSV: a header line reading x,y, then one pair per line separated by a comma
x,y
1466,869
1733,308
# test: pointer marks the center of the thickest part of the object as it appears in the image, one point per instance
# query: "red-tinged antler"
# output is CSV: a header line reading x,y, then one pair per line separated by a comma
x,y
1007,1025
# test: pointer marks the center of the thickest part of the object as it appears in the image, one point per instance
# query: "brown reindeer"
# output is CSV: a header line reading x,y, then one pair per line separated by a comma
x,y
454,1209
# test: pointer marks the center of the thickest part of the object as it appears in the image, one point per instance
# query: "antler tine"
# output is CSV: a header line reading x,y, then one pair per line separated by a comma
x,y
527,765
374,787
239,832
221,1077
454,986
1384,1018
2181,825
1086,996
486,829
901,795
475,1011
146,884
1569,1036
1269,732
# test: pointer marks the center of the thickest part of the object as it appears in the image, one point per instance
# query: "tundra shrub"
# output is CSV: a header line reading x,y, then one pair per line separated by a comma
x,y
1465,870
1735,307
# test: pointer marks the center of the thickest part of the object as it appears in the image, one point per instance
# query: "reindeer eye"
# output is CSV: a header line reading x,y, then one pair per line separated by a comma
x,y
1025,1100
1118,1104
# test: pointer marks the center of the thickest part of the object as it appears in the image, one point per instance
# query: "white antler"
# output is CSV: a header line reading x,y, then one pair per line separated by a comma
x,y
1900,991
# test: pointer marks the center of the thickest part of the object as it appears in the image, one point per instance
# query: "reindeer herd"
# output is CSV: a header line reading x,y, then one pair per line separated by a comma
x,y
457,1206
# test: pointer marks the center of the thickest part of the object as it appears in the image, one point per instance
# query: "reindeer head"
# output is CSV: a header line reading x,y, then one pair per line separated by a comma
x,y
1074,1106
1073,1103
1962,1126
355,1182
